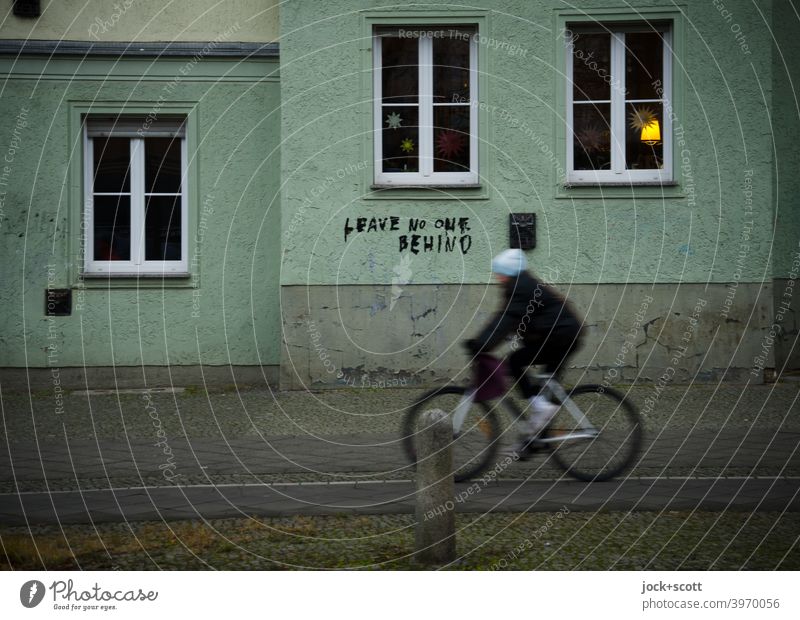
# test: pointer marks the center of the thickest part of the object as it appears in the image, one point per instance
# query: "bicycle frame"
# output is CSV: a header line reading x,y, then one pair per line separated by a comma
x,y
552,387
462,408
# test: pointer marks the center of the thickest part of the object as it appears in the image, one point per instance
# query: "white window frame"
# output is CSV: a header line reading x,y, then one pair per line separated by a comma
x,y
618,174
426,174
137,265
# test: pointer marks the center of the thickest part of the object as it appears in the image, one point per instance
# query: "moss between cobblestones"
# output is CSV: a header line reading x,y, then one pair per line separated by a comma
x,y
585,541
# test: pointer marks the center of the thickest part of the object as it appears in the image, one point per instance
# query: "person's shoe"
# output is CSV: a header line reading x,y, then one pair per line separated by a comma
x,y
542,413
525,447
519,451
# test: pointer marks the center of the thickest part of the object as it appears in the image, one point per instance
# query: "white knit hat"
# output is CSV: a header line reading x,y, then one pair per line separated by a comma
x,y
509,262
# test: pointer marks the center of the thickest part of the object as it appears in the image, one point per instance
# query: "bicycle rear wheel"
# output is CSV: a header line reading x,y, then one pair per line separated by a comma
x,y
474,448
617,443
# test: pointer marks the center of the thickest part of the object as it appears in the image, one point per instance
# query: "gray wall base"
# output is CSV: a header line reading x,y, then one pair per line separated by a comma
x,y
786,303
385,336
375,337
131,377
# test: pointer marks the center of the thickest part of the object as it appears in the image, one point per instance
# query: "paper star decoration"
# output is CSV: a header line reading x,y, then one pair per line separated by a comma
x,y
641,117
394,120
407,145
593,139
449,144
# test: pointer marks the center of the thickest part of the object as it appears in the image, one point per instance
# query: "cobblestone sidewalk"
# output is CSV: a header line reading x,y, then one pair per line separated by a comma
x,y
324,443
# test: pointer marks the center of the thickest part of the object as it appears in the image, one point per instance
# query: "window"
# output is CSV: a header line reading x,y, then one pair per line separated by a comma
x,y
425,97
135,218
618,93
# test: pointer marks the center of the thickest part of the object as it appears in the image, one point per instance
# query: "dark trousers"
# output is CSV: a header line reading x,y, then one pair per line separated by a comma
x,y
552,353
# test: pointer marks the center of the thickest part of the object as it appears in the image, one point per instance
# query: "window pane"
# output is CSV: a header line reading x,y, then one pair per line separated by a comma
x,y
644,67
162,162
112,158
451,67
399,60
400,139
644,149
591,67
592,137
112,228
162,228
451,139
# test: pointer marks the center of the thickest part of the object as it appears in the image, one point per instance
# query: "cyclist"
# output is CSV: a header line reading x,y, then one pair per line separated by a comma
x,y
544,330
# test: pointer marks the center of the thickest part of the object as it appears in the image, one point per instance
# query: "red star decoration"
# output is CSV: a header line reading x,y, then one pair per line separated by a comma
x,y
449,144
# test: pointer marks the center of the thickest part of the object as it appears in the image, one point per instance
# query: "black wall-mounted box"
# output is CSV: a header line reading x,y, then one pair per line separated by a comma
x,y
27,8
57,302
522,231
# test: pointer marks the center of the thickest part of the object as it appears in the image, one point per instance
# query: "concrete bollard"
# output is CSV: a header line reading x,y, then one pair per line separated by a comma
x,y
435,510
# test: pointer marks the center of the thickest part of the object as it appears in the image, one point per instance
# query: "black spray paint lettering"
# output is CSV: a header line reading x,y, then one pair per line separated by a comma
x,y
435,243
440,241
372,224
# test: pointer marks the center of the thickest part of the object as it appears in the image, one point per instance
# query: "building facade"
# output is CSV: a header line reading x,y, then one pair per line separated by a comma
x,y
158,286
310,194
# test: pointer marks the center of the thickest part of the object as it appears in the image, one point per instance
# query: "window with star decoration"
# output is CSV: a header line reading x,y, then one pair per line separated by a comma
x,y
619,126
425,94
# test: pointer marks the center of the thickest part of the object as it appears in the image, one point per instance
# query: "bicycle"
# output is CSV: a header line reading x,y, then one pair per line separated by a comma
x,y
589,419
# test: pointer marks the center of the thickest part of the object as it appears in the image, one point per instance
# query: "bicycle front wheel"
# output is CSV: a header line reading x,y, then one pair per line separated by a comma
x,y
614,447
474,446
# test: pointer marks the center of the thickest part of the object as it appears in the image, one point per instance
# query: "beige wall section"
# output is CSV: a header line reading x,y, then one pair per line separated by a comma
x,y
145,20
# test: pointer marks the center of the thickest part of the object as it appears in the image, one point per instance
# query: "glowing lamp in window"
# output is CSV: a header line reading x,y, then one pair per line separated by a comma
x,y
651,133
645,120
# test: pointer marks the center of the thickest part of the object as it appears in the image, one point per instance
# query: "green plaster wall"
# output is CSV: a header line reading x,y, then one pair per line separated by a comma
x,y
227,312
786,132
145,20
691,233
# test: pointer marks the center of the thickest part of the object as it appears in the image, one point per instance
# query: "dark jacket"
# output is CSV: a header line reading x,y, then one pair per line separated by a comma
x,y
532,312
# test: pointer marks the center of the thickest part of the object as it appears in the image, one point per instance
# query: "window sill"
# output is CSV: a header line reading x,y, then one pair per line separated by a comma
x,y
382,186
572,184
107,281
440,191
134,275
604,190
